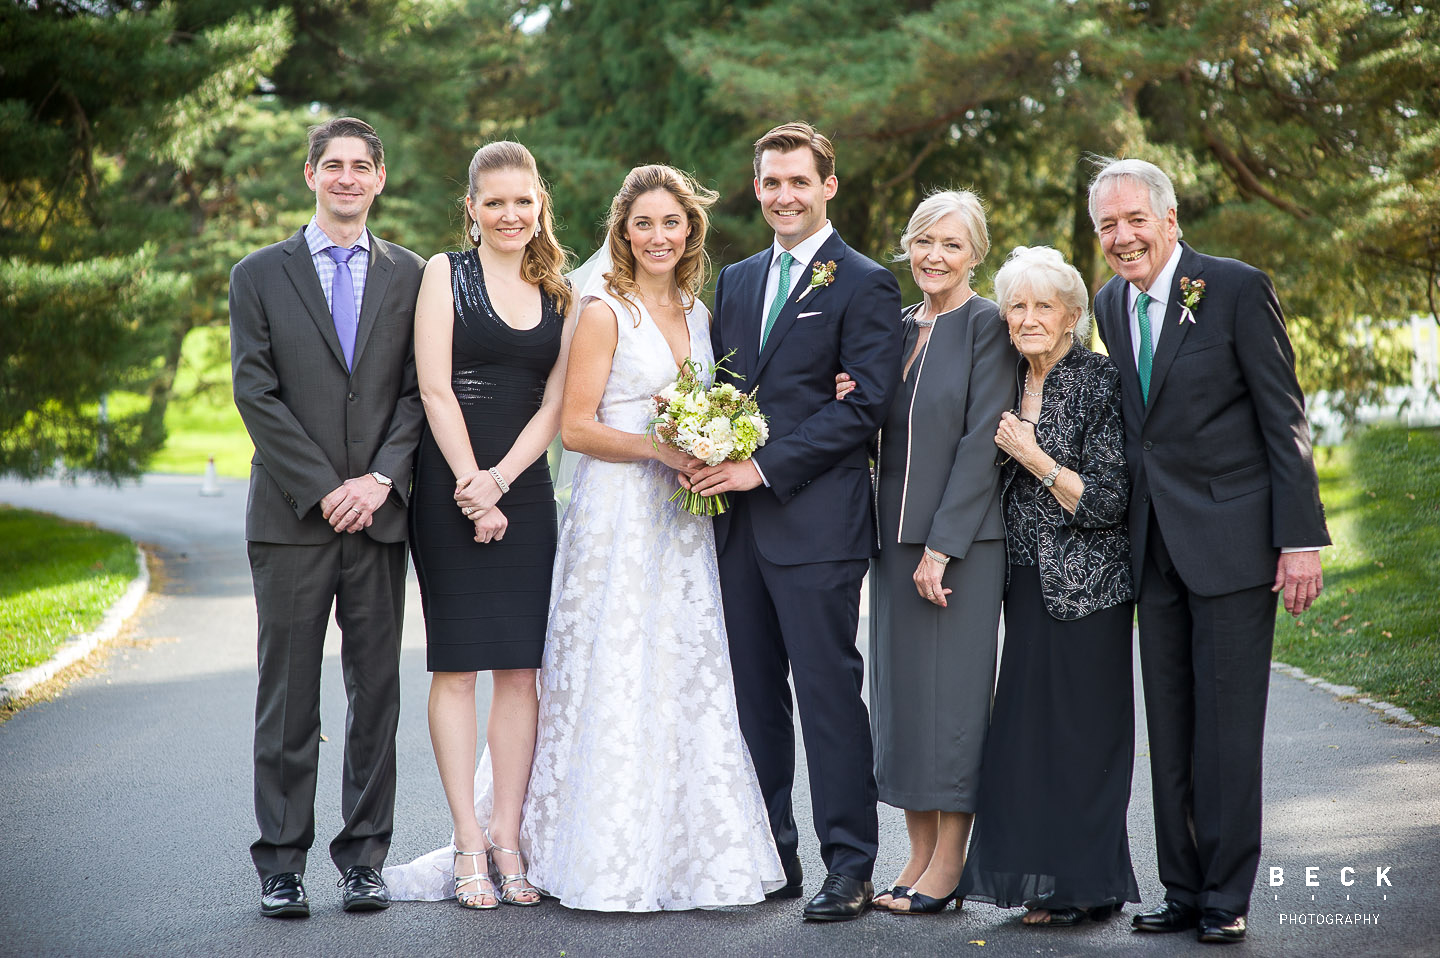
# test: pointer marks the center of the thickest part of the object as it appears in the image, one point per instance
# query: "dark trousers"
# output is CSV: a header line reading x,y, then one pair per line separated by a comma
x,y
295,589
1205,663
802,619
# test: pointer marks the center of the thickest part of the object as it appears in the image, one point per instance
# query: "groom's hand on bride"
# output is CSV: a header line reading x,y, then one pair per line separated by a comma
x,y
728,476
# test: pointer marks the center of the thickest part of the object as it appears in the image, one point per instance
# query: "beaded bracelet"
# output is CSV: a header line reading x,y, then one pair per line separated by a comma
x,y
939,557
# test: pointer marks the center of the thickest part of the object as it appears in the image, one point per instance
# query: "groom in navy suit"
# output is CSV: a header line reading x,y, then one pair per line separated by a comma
x,y
795,545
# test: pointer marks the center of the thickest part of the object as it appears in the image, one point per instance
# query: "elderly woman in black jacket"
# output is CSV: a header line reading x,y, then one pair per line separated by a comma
x,y
1055,780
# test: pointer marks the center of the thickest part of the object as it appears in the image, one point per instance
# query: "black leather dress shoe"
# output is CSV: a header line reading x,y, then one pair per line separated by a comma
x,y
364,889
1171,916
841,898
794,885
1221,927
283,896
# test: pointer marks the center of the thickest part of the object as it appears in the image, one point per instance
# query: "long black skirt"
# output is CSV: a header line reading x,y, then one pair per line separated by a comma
x,y
1050,828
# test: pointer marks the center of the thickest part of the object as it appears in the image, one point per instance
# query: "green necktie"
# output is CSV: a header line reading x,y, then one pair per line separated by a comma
x,y
782,293
1147,350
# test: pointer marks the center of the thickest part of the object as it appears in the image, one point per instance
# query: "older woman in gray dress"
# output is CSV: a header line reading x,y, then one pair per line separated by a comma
x,y
937,579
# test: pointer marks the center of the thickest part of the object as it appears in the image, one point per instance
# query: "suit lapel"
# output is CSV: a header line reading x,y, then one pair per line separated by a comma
x,y
301,270
1115,317
1175,331
377,281
751,299
832,249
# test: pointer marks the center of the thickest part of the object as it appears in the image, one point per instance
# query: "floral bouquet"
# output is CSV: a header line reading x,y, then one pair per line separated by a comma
x,y
712,425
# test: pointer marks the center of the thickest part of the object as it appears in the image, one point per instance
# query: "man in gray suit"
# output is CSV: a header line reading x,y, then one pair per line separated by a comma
x,y
321,348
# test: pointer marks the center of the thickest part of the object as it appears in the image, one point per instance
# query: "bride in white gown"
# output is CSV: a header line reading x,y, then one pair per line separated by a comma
x,y
642,794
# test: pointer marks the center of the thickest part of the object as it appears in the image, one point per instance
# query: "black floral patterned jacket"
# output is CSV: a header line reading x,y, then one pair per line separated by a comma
x,y
1084,557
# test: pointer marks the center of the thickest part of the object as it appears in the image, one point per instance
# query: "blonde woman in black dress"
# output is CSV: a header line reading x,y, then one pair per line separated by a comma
x,y
489,332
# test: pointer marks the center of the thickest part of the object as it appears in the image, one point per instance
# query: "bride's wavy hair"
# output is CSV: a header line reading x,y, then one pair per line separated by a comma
x,y
694,199
544,261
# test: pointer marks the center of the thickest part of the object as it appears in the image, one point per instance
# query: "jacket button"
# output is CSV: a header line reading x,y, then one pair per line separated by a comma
x,y
1145,445
351,397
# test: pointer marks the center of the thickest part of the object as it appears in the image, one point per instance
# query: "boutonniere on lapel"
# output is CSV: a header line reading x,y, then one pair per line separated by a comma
x,y
1191,292
822,275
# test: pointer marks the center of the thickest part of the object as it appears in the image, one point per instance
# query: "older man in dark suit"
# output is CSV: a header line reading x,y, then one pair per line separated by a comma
x,y
1224,513
324,373
796,545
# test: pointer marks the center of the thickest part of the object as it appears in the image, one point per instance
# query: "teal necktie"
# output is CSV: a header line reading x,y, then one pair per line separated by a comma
x,y
1147,349
782,293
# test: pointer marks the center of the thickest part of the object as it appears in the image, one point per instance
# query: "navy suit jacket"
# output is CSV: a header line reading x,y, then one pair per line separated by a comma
x,y
1222,450
817,507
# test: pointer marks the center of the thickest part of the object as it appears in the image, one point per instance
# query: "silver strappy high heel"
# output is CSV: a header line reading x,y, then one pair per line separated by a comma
x,y
508,891
478,874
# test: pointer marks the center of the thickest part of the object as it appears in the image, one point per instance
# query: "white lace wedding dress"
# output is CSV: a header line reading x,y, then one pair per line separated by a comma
x,y
642,795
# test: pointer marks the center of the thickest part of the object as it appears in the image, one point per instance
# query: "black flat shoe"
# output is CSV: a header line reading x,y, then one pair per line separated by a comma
x,y
364,889
921,904
841,898
794,885
283,896
1221,927
1171,916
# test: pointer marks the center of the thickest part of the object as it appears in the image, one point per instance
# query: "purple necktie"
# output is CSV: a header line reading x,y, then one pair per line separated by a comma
x,y
342,300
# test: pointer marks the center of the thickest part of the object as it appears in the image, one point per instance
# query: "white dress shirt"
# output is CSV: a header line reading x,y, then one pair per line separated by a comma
x,y
804,253
1159,301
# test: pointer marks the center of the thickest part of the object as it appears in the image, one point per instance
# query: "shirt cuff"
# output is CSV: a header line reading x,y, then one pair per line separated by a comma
x,y
761,472
1287,549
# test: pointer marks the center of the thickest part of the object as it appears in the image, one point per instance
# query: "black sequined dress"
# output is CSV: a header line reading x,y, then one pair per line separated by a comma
x,y
485,604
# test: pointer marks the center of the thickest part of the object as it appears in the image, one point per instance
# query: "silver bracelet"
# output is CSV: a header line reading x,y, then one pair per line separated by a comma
x,y
499,480
939,557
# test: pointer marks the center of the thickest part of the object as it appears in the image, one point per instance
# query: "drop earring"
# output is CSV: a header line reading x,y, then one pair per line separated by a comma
x,y
475,232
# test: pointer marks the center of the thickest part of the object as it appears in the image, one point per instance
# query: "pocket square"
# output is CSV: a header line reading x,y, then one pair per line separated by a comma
x,y
808,315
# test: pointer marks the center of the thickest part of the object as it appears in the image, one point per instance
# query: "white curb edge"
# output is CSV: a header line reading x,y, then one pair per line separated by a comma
x,y
1351,692
18,684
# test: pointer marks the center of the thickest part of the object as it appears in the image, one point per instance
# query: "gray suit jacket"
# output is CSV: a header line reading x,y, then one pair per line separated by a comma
x,y
315,423
1222,450
963,382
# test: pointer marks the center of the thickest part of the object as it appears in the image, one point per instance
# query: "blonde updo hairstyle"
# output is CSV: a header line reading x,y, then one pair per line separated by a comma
x,y
1042,271
544,261
968,208
694,199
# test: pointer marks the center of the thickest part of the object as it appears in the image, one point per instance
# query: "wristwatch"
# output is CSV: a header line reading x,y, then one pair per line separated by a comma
x,y
1048,479
383,479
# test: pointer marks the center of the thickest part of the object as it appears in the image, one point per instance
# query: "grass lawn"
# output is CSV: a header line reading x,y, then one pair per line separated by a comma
x,y
1377,624
57,578
202,420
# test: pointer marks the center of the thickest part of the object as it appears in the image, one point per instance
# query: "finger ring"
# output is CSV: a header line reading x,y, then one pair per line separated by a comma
x,y
467,510
355,509
929,595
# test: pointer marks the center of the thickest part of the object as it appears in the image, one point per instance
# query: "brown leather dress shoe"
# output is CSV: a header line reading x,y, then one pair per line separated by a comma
x,y
1219,927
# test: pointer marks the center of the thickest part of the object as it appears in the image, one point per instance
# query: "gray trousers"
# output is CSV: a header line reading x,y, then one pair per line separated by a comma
x,y
295,588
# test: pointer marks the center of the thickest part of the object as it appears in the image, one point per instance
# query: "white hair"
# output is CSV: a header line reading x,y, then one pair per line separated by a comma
x,y
1042,272
965,205
1148,175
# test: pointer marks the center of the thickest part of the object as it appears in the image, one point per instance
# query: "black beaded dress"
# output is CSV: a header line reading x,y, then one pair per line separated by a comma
x,y
485,604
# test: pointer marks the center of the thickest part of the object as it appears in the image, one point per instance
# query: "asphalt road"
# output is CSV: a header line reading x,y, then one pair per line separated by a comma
x,y
125,808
